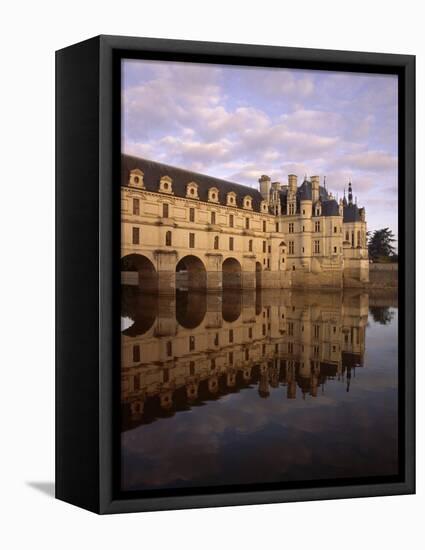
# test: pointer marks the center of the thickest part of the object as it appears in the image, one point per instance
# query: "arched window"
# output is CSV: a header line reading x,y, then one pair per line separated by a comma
x,y
165,210
216,243
168,238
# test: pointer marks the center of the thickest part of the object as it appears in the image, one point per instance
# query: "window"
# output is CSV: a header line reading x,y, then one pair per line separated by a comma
x,y
230,336
352,239
136,354
358,238
192,366
246,223
317,227
291,209
268,264
277,227
347,238
303,212
191,214
136,207
231,220
168,238
230,357
250,332
290,329
136,235
191,343
165,210
317,247
230,243
264,226
291,228
216,243
303,228
270,249
247,355
169,349
213,220
291,247
216,339
191,240
136,382
316,331
334,249
250,246
264,247
335,229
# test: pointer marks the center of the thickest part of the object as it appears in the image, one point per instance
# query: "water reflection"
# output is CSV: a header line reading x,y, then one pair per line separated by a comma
x,y
288,355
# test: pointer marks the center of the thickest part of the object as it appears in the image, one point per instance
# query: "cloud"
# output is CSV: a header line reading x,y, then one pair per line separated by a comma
x,y
238,122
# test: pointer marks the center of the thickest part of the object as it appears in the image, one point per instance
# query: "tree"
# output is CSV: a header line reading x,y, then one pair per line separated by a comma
x,y
380,245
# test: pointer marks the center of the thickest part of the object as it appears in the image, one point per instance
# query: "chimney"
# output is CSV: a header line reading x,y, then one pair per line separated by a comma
x,y
315,188
265,184
292,183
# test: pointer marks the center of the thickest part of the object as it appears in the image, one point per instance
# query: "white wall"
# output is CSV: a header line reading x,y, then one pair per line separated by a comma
x,y
30,32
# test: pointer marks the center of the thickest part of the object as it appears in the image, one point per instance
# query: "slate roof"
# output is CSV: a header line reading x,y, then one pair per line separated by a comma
x,y
154,171
351,213
304,192
330,208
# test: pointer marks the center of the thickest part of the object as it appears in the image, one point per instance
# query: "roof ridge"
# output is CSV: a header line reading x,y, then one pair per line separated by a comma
x,y
172,167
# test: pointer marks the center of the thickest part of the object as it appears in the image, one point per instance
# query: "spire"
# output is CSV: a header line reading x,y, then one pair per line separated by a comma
x,y
344,200
350,193
324,182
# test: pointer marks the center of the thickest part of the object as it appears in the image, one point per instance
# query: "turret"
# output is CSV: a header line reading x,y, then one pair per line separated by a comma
x,y
315,188
265,184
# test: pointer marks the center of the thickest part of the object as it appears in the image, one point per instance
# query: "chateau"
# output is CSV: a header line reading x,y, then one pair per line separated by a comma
x,y
186,230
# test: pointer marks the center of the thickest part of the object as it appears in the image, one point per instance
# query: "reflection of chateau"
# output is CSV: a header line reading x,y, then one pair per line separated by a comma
x,y
191,230
183,351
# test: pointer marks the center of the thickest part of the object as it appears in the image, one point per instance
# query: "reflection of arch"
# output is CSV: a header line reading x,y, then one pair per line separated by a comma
x,y
190,308
139,270
231,305
191,274
258,274
139,307
232,273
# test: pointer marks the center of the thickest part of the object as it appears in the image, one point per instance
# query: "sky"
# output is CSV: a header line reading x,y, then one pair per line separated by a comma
x,y
237,123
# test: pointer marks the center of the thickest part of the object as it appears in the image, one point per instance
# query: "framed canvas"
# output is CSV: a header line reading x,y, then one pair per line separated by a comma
x,y
235,274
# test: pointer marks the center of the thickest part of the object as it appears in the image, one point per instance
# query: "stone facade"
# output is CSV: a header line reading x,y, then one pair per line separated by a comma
x,y
201,233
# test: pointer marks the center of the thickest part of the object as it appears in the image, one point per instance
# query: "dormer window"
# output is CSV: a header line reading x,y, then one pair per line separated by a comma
x,y
264,207
192,190
136,179
231,199
213,194
247,202
166,185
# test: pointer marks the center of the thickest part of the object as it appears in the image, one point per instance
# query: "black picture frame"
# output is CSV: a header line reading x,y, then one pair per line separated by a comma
x,y
87,270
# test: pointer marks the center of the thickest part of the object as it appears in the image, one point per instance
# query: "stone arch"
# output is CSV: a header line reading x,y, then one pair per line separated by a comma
x,y
232,274
138,270
191,273
258,275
